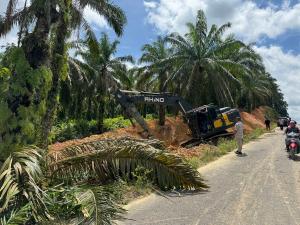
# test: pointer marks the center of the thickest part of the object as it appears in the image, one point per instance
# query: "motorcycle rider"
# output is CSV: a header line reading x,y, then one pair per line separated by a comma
x,y
291,128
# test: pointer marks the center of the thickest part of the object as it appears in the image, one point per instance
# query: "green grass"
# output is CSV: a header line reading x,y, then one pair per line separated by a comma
x,y
126,191
224,146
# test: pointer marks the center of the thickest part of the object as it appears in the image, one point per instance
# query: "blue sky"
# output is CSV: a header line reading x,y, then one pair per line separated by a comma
x,y
274,27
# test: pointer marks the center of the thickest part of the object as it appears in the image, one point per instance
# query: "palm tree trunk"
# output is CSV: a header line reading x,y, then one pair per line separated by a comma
x,y
57,68
100,119
38,54
194,92
101,99
89,110
162,108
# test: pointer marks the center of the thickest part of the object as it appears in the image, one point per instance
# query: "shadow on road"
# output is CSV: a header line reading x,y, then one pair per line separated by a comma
x,y
180,194
296,159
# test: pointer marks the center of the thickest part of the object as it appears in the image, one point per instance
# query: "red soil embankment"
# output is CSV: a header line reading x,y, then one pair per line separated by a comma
x,y
255,119
172,134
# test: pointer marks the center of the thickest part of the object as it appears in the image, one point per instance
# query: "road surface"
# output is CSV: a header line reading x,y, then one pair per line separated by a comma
x,y
261,188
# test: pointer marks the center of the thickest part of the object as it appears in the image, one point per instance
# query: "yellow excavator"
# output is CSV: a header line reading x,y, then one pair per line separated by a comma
x,y
206,122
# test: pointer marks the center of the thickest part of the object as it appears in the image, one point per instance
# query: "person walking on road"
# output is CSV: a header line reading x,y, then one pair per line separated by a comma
x,y
239,133
267,122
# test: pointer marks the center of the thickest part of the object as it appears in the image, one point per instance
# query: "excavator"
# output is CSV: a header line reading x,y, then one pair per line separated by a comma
x,y
206,123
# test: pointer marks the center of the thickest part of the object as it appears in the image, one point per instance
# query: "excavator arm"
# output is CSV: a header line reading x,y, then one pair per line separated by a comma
x,y
128,99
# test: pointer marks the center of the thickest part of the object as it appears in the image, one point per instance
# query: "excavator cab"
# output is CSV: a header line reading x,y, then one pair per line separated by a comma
x,y
209,120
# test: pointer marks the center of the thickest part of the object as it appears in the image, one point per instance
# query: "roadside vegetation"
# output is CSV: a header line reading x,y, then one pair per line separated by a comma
x,y
54,88
210,153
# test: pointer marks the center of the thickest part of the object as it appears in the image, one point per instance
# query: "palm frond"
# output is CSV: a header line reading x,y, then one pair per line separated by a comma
x,y
11,6
127,58
112,13
17,217
19,178
201,24
98,205
119,158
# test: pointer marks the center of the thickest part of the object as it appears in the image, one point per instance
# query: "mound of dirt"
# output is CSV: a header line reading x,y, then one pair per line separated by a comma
x,y
172,134
255,119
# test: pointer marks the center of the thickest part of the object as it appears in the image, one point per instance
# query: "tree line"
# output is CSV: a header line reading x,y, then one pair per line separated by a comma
x,y
203,66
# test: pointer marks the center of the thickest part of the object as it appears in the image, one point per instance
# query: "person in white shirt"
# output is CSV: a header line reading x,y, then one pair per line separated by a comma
x,y
239,133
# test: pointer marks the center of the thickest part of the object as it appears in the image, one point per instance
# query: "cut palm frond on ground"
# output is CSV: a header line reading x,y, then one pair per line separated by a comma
x,y
118,158
20,178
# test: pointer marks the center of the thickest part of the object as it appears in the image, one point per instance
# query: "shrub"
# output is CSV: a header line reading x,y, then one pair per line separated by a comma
x,y
73,129
23,94
115,123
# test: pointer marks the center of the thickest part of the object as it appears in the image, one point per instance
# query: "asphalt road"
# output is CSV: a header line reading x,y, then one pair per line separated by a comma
x,y
261,188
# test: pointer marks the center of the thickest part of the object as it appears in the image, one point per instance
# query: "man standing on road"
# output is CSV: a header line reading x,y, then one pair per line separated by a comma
x,y
267,122
239,133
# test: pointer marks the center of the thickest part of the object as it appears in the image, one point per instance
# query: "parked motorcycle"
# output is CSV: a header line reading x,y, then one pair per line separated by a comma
x,y
293,140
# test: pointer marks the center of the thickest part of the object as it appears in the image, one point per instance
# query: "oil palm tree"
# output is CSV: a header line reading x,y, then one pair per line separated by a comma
x,y
153,76
112,13
255,90
200,53
59,17
106,69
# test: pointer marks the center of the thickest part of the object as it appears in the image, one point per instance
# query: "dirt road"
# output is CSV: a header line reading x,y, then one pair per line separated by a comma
x,y
261,188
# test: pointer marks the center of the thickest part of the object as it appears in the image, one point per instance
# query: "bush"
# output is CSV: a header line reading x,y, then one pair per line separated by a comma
x,y
73,129
23,94
115,123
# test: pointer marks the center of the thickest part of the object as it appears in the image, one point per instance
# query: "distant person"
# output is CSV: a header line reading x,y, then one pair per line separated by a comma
x,y
239,133
267,122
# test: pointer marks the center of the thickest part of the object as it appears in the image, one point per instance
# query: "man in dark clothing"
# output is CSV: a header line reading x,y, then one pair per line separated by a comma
x,y
267,122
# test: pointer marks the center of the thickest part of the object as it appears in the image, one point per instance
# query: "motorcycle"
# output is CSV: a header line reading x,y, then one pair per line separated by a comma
x,y
293,144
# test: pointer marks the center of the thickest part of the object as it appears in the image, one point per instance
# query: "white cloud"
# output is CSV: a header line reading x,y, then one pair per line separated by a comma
x,y
150,5
11,37
95,19
248,20
285,68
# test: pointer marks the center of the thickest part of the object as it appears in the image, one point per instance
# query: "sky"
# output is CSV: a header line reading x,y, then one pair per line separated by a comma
x,y
274,27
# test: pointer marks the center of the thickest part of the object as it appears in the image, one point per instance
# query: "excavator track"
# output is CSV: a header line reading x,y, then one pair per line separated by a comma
x,y
212,140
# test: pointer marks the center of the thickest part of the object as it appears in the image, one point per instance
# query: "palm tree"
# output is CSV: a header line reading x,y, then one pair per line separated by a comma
x,y
255,86
255,90
115,17
59,16
107,71
155,74
201,54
